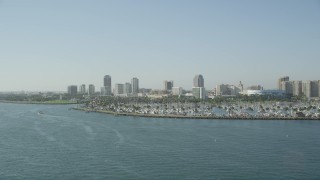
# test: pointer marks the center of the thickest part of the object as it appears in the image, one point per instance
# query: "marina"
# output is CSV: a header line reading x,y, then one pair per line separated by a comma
x,y
255,111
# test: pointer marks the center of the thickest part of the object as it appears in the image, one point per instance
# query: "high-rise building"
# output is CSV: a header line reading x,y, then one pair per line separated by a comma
x,y
168,85
91,89
106,89
118,89
199,92
127,88
135,85
72,90
240,86
282,79
198,81
297,88
83,89
288,87
107,80
311,89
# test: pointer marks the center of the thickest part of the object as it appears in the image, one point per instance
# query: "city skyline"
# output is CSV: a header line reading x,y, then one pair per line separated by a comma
x,y
46,46
308,89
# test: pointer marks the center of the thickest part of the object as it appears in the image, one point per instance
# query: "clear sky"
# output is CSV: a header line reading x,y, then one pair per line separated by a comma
x,y
48,45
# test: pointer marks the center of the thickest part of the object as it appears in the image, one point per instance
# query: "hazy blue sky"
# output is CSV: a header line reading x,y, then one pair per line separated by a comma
x,y
48,45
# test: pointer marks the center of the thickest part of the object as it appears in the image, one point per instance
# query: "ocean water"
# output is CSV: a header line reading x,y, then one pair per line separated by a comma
x,y
69,144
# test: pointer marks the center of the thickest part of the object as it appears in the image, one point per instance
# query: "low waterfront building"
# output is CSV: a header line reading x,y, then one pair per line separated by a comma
x,y
227,90
177,91
265,92
255,87
155,96
145,90
199,92
106,91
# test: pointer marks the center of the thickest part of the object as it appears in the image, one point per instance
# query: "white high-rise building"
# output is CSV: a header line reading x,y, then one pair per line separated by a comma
x,y
311,89
118,89
297,88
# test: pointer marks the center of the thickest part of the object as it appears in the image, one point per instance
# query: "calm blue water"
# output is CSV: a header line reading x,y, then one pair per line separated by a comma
x,y
63,144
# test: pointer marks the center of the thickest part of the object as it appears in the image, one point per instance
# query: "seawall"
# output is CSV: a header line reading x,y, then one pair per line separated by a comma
x,y
194,117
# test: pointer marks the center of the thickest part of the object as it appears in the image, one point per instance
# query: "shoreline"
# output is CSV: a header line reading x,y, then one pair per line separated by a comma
x,y
34,102
194,117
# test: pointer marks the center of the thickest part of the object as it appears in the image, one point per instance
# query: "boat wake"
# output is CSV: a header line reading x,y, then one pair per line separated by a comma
x,y
119,136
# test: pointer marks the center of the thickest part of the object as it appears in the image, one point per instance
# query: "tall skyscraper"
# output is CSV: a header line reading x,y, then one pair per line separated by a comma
x,y
288,87
72,90
240,86
297,88
107,80
280,80
127,88
83,89
106,89
135,85
168,85
91,89
198,81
